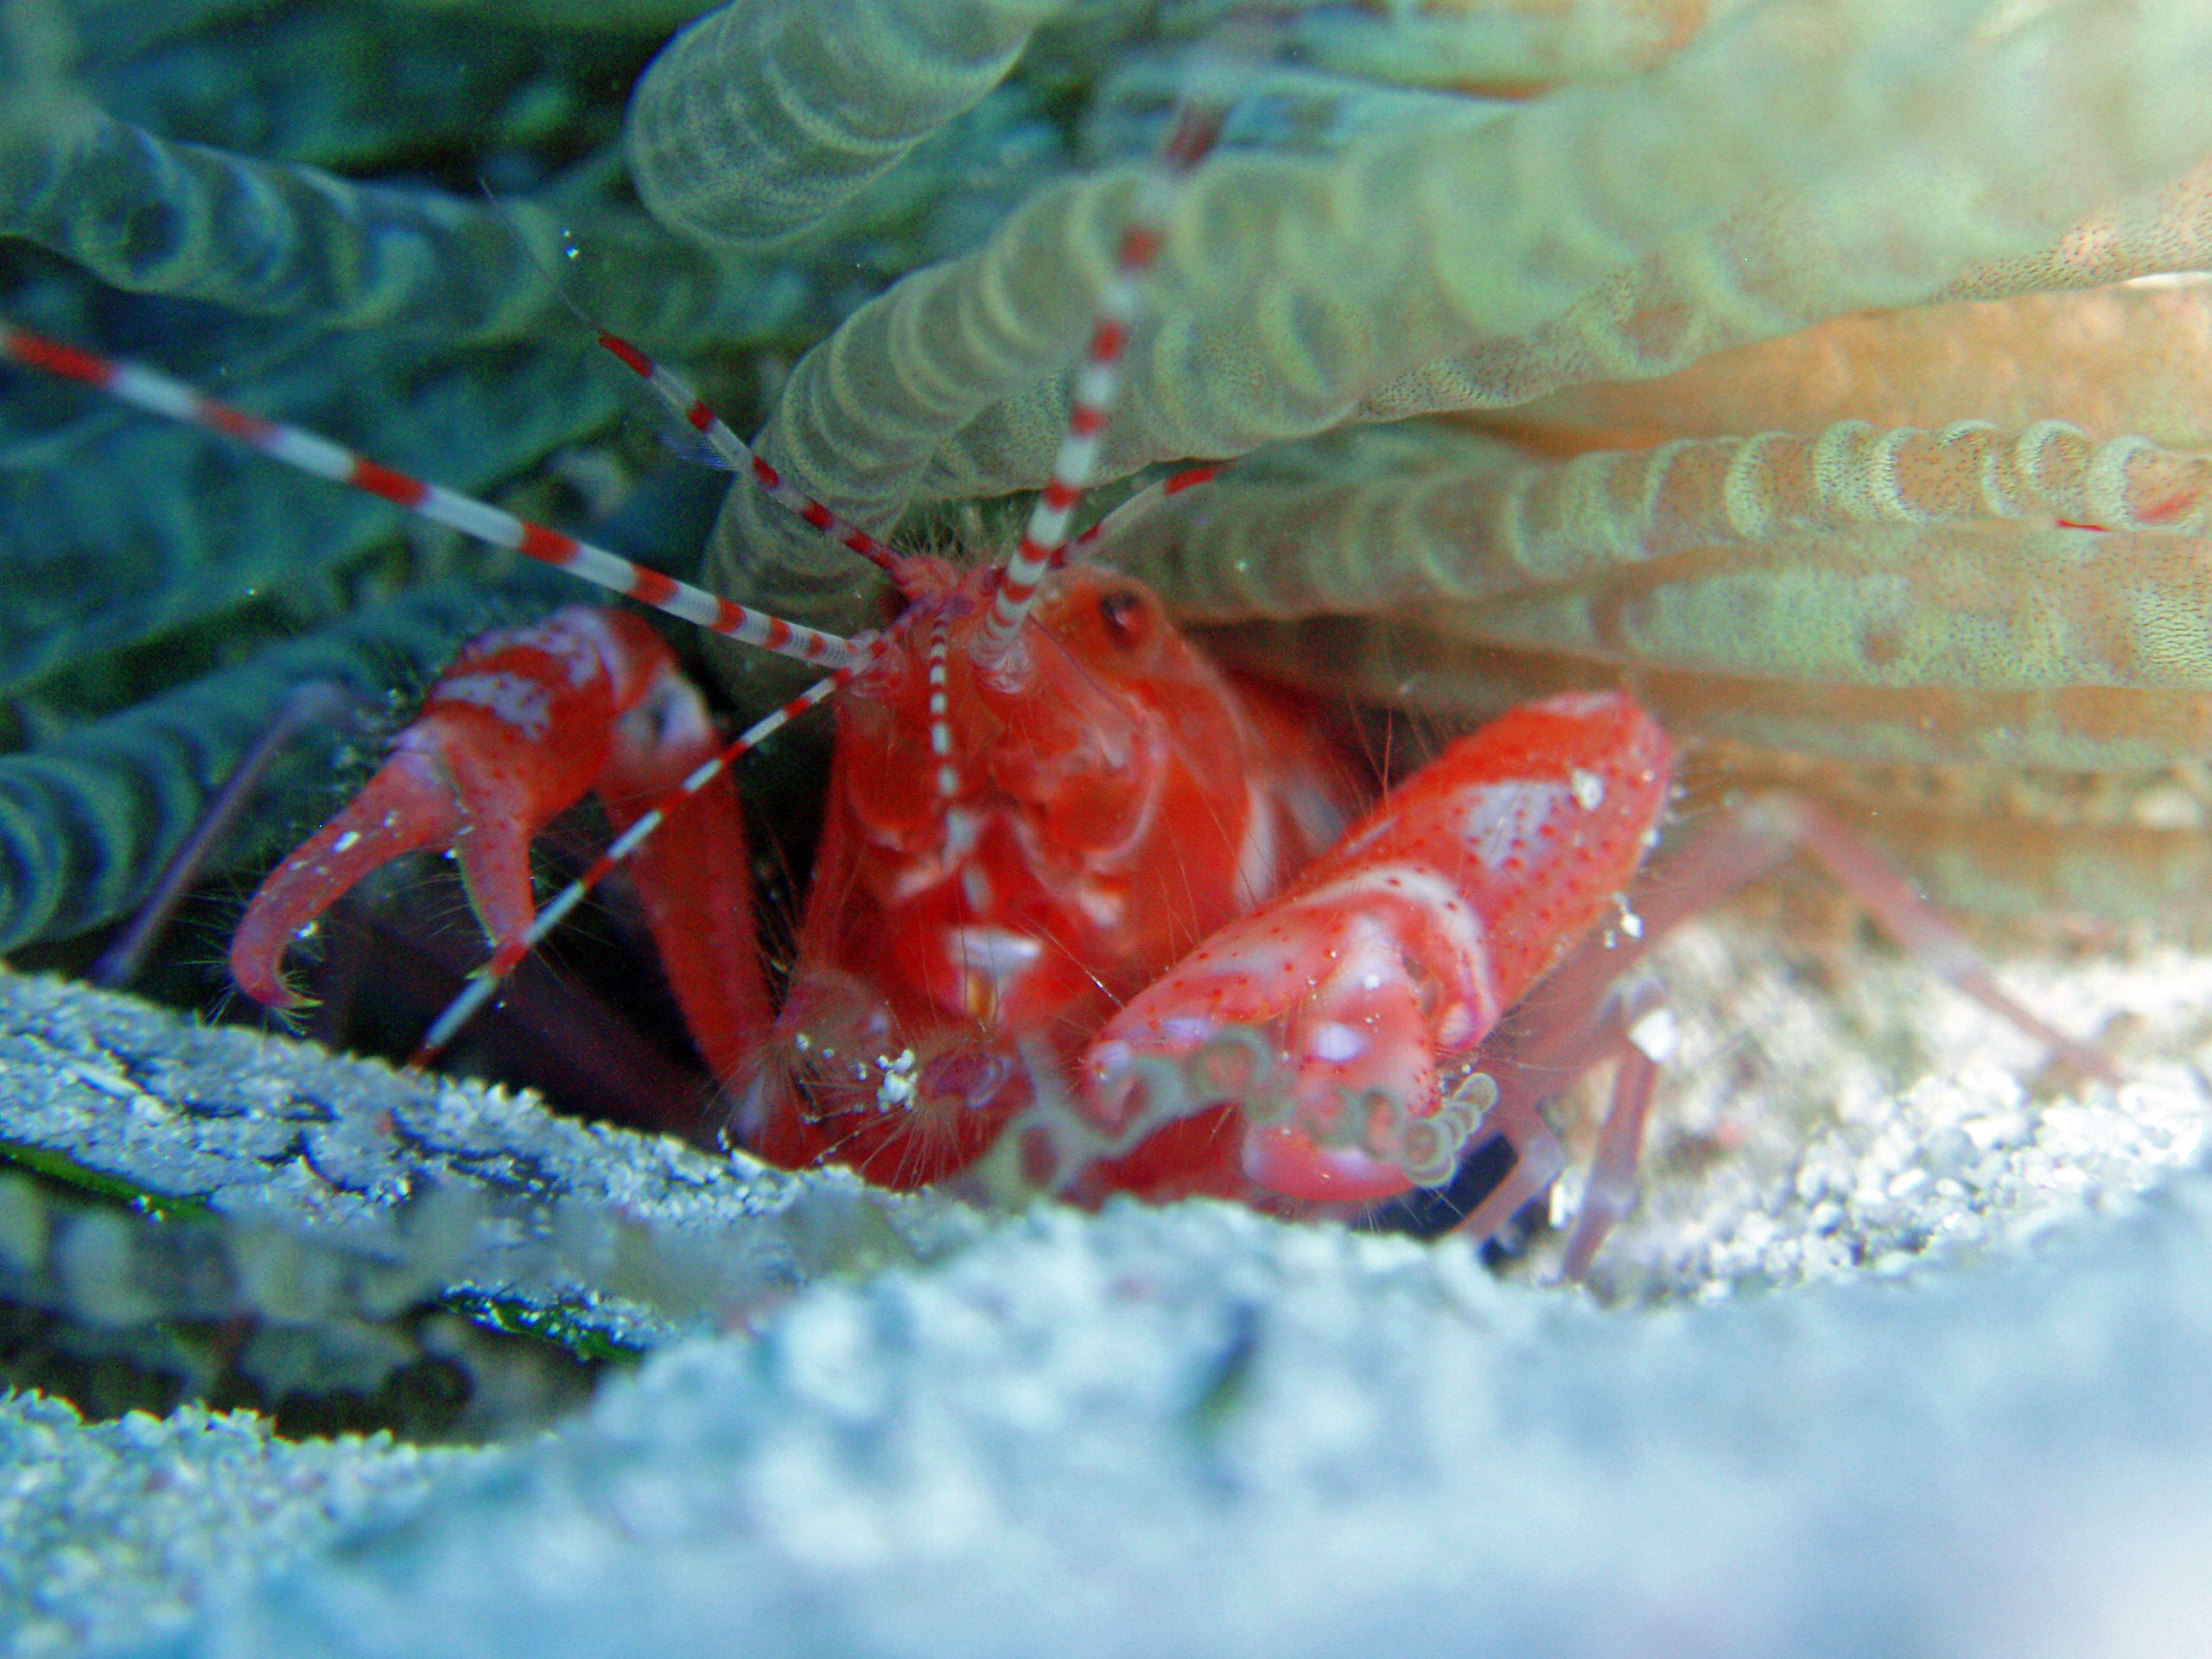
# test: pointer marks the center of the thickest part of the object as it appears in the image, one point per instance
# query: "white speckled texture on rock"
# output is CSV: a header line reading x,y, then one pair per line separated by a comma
x,y
118,1532
1831,1109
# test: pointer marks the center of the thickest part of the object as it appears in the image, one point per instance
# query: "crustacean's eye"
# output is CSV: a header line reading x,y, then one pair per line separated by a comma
x,y
1129,619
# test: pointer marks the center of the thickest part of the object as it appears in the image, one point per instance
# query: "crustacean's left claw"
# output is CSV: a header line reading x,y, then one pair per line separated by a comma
x,y
1397,951
405,807
512,734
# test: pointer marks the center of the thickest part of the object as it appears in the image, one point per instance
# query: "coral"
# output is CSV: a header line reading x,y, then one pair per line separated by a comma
x,y
122,539
2054,676
1363,252
747,131
1685,186
1682,240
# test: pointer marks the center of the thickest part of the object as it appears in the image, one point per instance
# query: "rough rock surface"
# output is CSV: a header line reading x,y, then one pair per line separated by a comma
x,y
1961,1415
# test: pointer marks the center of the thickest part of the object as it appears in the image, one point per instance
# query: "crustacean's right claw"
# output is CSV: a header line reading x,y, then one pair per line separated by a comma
x,y
512,734
1397,951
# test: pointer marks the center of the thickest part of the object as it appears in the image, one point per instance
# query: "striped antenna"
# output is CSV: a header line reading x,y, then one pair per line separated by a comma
x,y
940,652
157,394
693,410
1197,124
1134,511
485,985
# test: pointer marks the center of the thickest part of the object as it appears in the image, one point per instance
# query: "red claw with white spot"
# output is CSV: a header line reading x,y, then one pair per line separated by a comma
x,y
1392,957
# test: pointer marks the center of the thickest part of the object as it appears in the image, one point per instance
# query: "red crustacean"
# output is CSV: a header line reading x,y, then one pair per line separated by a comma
x,y
1095,808
1105,815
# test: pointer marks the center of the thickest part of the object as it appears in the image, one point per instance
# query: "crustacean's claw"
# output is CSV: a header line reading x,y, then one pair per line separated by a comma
x,y
512,734
405,807
1395,954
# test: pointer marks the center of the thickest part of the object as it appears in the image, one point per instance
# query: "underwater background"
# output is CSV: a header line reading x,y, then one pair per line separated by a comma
x,y
1904,1318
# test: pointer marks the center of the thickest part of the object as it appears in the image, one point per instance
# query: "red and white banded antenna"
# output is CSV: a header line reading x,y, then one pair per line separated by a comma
x,y
308,452
1043,541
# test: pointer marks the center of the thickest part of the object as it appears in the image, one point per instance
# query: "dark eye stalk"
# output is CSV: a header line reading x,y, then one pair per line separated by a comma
x,y
1125,616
